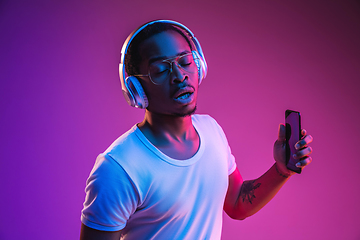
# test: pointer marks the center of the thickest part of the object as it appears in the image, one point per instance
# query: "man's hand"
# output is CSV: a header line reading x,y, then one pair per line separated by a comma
x,y
302,154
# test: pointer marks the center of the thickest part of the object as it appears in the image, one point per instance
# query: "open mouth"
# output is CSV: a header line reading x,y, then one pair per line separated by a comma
x,y
183,95
184,92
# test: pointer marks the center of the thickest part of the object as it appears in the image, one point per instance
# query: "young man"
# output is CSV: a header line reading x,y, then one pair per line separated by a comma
x,y
172,175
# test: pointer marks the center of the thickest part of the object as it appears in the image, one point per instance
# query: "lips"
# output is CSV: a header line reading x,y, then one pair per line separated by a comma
x,y
184,95
184,92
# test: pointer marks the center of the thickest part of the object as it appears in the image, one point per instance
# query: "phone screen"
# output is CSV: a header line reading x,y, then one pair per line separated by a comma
x,y
293,135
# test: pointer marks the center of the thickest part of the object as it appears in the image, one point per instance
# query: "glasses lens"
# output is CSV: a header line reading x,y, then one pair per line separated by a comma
x,y
160,71
187,63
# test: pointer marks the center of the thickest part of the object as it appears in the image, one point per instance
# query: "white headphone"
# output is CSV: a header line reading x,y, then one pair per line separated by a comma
x,y
131,87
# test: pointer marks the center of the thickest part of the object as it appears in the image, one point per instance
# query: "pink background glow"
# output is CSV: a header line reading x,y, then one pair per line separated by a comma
x,y
61,105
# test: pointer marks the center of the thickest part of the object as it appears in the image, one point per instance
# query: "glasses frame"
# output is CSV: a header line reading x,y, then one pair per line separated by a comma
x,y
170,61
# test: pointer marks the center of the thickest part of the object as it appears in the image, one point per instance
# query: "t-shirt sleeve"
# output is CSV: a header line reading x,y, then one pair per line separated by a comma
x,y
231,162
230,157
111,196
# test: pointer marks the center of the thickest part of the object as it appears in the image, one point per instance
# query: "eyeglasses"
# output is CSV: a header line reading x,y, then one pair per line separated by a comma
x,y
160,71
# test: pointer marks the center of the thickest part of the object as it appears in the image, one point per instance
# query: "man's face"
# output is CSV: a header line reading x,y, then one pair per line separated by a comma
x,y
177,95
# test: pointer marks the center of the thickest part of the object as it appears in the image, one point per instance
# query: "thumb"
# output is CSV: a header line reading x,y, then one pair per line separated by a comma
x,y
281,134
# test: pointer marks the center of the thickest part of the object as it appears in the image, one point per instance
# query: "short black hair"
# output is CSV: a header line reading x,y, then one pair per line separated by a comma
x,y
133,56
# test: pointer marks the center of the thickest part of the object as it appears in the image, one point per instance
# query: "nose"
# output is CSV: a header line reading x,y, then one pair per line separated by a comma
x,y
176,74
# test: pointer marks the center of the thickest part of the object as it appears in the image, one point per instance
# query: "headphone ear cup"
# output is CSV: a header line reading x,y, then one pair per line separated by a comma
x,y
135,96
200,65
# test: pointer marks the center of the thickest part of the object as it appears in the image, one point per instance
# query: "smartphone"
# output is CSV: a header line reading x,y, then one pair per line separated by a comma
x,y
293,135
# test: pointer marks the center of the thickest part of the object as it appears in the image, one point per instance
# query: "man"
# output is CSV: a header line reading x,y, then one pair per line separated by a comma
x,y
172,175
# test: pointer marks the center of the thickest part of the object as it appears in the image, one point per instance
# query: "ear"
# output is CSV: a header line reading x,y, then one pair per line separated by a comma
x,y
135,94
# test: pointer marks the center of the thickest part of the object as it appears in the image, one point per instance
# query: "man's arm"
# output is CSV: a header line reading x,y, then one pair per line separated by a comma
x,y
88,233
244,198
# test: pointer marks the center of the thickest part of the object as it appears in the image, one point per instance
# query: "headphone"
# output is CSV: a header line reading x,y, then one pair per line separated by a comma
x,y
130,85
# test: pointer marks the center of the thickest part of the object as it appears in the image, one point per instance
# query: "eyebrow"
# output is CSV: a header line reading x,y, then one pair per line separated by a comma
x,y
151,60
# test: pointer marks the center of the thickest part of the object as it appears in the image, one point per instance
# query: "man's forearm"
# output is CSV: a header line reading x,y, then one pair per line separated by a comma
x,y
255,194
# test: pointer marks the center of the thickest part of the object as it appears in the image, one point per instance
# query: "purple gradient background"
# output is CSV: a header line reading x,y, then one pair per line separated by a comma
x,y
61,105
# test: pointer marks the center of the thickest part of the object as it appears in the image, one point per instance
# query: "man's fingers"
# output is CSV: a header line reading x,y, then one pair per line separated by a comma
x,y
281,134
304,162
303,132
304,142
303,153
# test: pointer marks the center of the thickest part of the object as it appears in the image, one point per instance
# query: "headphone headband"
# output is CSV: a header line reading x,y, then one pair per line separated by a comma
x,y
136,31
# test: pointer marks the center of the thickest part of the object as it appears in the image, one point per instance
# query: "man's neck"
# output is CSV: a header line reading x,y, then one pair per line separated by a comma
x,y
162,130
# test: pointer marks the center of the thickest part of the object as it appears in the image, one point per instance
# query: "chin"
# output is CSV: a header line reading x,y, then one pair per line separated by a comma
x,y
186,113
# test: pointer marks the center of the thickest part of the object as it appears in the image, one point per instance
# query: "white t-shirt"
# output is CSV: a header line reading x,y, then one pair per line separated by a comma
x,y
135,187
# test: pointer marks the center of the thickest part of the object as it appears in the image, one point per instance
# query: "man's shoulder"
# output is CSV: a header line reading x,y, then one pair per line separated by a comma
x,y
124,140
204,121
126,146
208,127
202,118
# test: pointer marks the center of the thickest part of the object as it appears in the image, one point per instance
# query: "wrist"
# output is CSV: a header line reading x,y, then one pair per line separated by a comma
x,y
281,173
